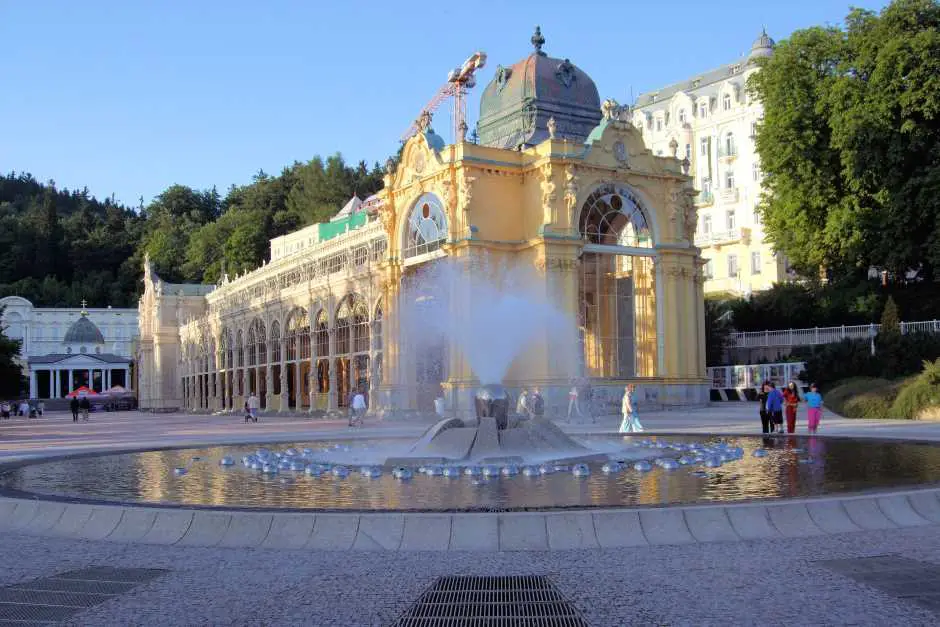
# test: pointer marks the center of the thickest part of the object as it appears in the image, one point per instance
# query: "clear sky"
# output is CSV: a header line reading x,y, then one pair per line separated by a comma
x,y
130,96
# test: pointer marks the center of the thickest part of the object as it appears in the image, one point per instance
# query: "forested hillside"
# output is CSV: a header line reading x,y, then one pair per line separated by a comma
x,y
58,246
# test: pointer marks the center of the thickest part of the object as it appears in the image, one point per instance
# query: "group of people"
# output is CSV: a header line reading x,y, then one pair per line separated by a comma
x,y
82,405
775,404
530,404
10,409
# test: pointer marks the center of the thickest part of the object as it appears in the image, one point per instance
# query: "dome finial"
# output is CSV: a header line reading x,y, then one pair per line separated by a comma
x,y
84,311
538,41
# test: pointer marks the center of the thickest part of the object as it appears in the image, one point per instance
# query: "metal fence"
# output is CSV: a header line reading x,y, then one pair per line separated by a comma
x,y
752,375
821,335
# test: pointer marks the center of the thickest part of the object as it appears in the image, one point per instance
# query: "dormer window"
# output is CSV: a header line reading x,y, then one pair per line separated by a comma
x,y
703,110
659,124
681,116
726,102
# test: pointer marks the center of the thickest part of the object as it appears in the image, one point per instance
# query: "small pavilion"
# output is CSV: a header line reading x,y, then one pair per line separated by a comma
x,y
82,362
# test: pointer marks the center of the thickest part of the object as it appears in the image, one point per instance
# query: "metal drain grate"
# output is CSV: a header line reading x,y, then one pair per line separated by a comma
x,y
58,598
491,601
901,577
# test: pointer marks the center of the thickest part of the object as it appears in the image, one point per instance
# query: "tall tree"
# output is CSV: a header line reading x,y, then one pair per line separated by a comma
x,y
850,143
11,375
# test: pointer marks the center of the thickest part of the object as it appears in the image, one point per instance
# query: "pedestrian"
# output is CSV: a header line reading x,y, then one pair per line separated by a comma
x,y
775,408
85,406
41,408
628,408
5,410
814,402
247,413
791,399
522,407
573,401
535,404
254,404
358,409
24,408
73,405
765,418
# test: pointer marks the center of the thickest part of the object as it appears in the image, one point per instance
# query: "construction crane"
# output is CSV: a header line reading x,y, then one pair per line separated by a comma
x,y
459,80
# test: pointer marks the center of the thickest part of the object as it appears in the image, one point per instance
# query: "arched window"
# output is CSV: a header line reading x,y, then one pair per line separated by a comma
x,y
298,331
427,226
341,328
322,331
257,344
612,215
360,327
726,102
275,343
240,349
229,348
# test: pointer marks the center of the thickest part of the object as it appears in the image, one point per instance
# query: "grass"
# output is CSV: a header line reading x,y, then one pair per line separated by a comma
x,y
910,398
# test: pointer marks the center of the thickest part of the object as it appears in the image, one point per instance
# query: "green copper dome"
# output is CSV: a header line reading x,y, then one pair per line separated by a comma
x,y
520,100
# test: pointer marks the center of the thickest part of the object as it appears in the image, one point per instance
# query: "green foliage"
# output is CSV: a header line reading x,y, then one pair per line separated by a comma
x,y
850,144
890,320
58,247
717,331
863,397
894,357
921,393
11,376
796,305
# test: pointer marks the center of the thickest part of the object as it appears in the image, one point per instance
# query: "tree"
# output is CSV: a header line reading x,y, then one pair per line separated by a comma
x,y
850,143
717,331
11,375
890,320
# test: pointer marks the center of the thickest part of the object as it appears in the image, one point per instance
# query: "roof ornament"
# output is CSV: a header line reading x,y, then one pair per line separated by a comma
x,y
565,73
84,305
424,121
538,41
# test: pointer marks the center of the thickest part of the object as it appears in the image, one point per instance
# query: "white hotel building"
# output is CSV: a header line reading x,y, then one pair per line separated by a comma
x,y
711,120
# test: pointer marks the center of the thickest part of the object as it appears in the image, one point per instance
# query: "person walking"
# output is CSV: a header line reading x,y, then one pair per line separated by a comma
x,y
73,405
85,406
522,403
765,418
775,408
5,410
814,402
791,399
573,402
254,404
358,406
41,408
535,404
631,416
247,412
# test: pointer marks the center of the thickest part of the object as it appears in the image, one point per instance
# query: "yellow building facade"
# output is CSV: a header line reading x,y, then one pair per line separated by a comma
x,y
556,183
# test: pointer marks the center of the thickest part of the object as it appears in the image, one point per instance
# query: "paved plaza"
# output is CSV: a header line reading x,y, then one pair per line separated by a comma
x,y
791,563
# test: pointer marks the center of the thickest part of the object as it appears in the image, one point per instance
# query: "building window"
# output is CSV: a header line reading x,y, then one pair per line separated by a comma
x,y
707,185
729,179
753,130
688,151
755,263
709,269
730,221
707,225
732,266
659,124
729,144
756,214
427,226
681,116
726,102
703,110
703,146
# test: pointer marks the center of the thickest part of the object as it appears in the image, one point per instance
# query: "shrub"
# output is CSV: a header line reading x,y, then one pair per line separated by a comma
x,y
919,394
839,395
895,356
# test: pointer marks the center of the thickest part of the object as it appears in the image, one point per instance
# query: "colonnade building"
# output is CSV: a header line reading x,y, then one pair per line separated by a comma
x,y
557,183
711,120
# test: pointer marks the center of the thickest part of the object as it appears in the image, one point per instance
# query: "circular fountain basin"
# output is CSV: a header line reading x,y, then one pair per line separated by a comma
x,y
726,471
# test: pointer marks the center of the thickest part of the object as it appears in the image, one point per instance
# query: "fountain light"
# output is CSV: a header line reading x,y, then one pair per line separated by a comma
x,y
612,467
314,470
226,461
510,470
340,472
761,452
491,471
546,469
642,466
473,471
580,470
530,471
269,469
451,472
179,471
402,473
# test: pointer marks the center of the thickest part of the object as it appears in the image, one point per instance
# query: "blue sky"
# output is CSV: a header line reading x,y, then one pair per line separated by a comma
x,y
129,97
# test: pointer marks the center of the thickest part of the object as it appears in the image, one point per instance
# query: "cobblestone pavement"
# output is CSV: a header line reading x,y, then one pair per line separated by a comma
x,y
742,583
778,581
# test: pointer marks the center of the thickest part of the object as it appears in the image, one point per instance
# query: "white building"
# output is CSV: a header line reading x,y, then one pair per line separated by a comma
x,y
711,120
66,348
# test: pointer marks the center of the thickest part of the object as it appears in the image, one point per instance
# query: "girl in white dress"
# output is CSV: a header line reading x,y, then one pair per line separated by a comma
x,y
631,418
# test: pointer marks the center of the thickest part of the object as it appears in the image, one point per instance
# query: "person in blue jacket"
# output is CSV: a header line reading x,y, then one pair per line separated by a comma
x,y
775,408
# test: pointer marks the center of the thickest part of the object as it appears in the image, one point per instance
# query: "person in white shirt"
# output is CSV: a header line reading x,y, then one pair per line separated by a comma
x,y
24,409
254,404
358,409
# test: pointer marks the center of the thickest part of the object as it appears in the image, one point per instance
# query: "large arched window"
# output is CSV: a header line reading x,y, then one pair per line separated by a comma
x,y
322,331
617,305
240,349
257,346
275,342
612,215
228,348
427,226
377,328
298,328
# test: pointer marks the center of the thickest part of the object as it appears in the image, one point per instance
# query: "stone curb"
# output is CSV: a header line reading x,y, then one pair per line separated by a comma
x,y
482,532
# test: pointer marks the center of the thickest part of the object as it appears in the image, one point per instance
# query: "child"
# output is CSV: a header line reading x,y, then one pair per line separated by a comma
x,y
814,401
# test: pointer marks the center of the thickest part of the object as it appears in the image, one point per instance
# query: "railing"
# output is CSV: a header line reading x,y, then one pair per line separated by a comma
x,y
725,151
730,195
821,335
719,238
751,376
